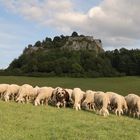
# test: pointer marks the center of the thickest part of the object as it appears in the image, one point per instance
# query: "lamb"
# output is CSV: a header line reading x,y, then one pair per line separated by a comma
x,y
133,103
101,103
88,103
118,104
24,92
44,95
3,88
78,96
11,92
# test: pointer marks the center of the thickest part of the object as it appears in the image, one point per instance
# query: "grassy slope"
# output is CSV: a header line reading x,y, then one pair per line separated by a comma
x,y
26,122
122,85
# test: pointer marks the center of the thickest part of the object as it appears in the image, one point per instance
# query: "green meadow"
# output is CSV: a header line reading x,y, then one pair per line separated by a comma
x,y
27,122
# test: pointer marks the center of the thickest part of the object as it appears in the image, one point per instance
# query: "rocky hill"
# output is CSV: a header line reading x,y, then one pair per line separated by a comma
x,y
83,43
75,55
74,42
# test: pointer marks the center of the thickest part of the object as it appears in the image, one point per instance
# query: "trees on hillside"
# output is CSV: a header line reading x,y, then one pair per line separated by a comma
x,y
48,57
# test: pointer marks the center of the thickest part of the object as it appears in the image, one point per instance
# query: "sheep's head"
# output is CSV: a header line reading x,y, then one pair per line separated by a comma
x,y
125,108
60,93
85,105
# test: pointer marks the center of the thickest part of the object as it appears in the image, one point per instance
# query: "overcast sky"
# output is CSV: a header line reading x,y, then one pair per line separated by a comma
x,y
22,22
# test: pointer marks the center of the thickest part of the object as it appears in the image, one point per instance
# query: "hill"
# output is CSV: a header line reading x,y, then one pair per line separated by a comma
x,y
74,56
74,42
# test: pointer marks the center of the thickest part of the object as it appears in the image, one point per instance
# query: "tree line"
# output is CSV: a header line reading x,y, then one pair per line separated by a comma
x,y
77,63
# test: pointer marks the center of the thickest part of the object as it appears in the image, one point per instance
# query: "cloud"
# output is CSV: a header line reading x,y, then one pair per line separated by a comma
x,y
116,22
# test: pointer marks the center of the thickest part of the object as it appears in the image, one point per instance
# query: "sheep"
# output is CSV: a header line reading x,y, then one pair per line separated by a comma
x,y
69,92
32,95
101,103
24,92
78,96
3,88
118,104
88,103
133,103
11,91
62,98
44,95
55,99
70,103
110,95
53,96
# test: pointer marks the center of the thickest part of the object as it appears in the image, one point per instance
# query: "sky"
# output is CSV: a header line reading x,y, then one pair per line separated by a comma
x,y
115,22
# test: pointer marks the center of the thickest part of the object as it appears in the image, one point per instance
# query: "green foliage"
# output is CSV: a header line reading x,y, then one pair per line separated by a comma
x,y
74,34
79,63
64,62
38,44
49,58
125,61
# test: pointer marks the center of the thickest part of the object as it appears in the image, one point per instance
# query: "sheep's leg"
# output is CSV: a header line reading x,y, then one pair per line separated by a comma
x,y
6,98
64,102
42,102
104,112
76,108
36,102
58,105
26,99
46,102
79,106
13,97
118,112
93,106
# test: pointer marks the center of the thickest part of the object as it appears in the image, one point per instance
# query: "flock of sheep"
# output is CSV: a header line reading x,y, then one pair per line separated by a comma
x,y
101,102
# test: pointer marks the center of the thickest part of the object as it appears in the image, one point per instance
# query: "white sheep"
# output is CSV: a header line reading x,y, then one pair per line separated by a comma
x,y
110,95
24,92
133,103
78,96
101,103
3,88
11,92
44,95
88,103
118,104
32,95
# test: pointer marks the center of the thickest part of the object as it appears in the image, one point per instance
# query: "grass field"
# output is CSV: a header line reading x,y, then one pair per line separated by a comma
x,y
121,85
27,122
